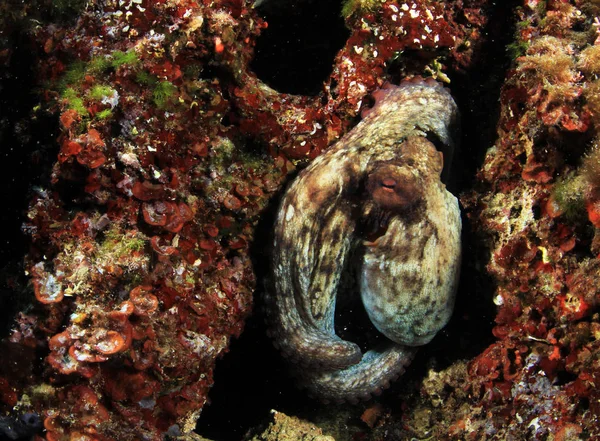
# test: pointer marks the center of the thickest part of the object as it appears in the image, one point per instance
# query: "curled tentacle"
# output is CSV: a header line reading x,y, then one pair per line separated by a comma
x,y
373,374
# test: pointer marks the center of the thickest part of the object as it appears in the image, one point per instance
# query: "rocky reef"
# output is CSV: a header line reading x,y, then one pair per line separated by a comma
x,y
164,152
138,260
535,206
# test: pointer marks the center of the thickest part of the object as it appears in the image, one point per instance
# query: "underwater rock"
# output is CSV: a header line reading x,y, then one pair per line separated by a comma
x,y
139,260
287,428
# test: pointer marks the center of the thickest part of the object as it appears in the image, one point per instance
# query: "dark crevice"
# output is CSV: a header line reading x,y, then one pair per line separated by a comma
x,y
296,52
477,94
27,149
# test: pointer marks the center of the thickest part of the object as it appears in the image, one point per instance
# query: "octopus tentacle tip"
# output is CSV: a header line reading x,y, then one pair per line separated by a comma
x,y
388,161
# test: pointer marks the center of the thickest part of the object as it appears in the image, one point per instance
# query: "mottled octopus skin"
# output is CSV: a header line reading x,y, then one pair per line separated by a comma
x,y
378,190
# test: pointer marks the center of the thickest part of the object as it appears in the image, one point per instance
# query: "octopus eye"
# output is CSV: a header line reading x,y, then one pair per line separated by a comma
x,y
389,184
393,188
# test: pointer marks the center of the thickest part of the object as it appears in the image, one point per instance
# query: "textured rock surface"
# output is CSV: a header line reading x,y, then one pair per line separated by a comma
x,y
286,428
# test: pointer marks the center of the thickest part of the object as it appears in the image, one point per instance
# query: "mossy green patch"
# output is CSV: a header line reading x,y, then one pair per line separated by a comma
x,y
74,101
523,24
165,95
104,114
119,58
255,161
98,65
100,91
145,78
541,7
350,7
517,49
73,75
192,71
569,194
120,244
590,167
223,153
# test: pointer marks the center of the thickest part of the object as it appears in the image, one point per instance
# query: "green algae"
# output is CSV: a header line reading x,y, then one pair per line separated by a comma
x,y
117,244
104,114
145,78
120,58
517,49
164,95
100,91
351,7
569,194
74,101
73,75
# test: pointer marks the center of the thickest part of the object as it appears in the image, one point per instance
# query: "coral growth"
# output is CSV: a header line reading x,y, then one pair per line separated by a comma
x,y
298,127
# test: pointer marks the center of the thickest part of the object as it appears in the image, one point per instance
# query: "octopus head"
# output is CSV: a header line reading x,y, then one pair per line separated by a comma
x,y
397,186
409,268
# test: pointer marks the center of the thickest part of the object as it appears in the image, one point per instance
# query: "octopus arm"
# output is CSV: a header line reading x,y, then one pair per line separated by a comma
x,y
306,262
371,375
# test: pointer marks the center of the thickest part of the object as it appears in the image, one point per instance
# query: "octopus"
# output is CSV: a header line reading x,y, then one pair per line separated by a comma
x,y
375,204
